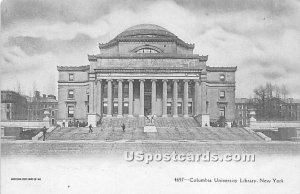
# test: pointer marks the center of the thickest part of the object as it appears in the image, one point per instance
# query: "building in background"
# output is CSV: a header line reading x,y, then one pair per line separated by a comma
x,y
39,105
13,106
146,70
276,109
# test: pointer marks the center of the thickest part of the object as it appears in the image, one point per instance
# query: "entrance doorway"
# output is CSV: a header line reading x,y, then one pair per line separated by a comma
x,y
148,105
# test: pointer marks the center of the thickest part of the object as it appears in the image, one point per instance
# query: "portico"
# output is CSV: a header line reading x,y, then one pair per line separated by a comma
x,y
123,96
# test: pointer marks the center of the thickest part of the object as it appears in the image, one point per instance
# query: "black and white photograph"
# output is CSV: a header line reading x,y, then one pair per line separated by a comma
x,y
150,96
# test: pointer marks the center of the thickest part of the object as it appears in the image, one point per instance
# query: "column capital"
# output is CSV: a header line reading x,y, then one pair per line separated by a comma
x,y
165,80
130,80
109,80
98,80
153,80
120,80
175,80
142,80
197,80
186,80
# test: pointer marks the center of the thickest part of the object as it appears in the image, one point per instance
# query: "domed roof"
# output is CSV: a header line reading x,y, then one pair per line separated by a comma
x,y
146,29
146,33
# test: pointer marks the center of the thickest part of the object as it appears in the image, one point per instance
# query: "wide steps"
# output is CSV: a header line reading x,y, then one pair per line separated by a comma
x,y
168,128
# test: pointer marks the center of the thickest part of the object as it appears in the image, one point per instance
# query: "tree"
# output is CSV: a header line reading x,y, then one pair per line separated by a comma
x,y
269,101
19,87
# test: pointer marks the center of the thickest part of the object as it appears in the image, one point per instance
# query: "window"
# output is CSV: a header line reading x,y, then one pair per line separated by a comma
x,y
71,77
146,50
179,107
115,108
71,94
169,108
126,91
52,113
222,111
126,107
222,77
70,111
222,94
169,91
8,106
104,107
190,108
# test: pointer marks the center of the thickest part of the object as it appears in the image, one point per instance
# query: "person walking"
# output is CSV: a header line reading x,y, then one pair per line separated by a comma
x,y
123,127
91,128
44,133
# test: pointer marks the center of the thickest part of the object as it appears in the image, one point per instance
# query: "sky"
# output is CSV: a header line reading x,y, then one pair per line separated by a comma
x,y
260,37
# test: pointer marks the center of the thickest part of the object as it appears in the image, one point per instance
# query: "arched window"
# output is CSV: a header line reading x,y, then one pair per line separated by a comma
x,y
146,50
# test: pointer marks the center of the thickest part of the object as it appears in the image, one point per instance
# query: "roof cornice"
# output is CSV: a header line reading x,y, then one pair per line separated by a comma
x,y
223,69
147,56
73,68
116,40
147,70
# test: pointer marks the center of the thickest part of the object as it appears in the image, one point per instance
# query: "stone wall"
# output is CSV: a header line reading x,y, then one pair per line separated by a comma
x,y
149,63
79,101
79,76
25,124
274,124
214,102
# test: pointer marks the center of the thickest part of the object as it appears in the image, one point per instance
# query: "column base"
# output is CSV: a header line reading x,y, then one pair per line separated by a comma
x,y
175,115
130,115
120,116
108,115
141,115
165,116
186,116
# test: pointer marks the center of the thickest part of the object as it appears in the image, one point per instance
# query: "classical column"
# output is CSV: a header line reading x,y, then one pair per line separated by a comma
x,y
109,98
120,98
197,98
203,94
98,97
130,98
164,102
142,97
185,98
91,97
153,96
95,96
175,97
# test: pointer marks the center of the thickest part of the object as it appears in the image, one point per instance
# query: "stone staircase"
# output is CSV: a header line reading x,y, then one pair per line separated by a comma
x,y
169,129
135,122
130,122
178,122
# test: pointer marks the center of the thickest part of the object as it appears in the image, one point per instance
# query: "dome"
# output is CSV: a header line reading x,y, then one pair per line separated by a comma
x,y
146,29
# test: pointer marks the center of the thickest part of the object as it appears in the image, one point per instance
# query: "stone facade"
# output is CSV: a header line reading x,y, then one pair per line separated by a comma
x,y
41,106
278,110
13,106
146,70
